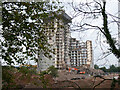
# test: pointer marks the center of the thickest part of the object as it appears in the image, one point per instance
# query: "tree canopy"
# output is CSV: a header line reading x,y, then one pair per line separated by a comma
x,y
24,31
96,66
112,68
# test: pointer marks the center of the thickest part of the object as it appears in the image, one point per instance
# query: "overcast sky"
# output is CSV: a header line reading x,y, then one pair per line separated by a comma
x,y
112,7
98,47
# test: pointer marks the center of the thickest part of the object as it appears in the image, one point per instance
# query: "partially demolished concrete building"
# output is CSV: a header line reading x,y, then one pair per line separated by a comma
x,y
81,53
67,51
58,38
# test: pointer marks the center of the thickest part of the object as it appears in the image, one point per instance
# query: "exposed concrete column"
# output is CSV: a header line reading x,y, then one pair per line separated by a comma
x,y
40,56
89,53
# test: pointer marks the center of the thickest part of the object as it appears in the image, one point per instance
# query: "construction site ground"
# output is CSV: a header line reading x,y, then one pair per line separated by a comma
x,y
65,79
72,80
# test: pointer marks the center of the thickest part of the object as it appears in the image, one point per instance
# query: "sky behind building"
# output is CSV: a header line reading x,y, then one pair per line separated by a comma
x,y
112,7
99,43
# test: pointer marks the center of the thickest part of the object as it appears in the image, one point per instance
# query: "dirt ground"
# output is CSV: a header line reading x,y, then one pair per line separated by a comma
x,y
64,80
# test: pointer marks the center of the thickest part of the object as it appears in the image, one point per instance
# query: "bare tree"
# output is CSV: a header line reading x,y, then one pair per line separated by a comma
x,y
91,11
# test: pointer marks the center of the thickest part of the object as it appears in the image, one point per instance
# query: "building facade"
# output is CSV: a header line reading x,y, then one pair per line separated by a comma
x,y
80,53
68,52
90,61
58,38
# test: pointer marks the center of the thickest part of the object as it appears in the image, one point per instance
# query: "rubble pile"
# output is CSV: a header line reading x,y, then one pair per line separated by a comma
x,y
91,71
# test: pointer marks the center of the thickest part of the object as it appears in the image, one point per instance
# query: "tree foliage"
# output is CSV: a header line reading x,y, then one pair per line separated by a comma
x,y
96,66
6,75
106,32
112,68
53,71
24,31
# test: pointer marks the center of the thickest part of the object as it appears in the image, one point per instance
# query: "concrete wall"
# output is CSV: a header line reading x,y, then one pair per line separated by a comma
x,y
59,41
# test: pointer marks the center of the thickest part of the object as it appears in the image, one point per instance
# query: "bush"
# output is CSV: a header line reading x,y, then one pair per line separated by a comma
x,y
24,70
43,73
27,70
53,71
7,76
